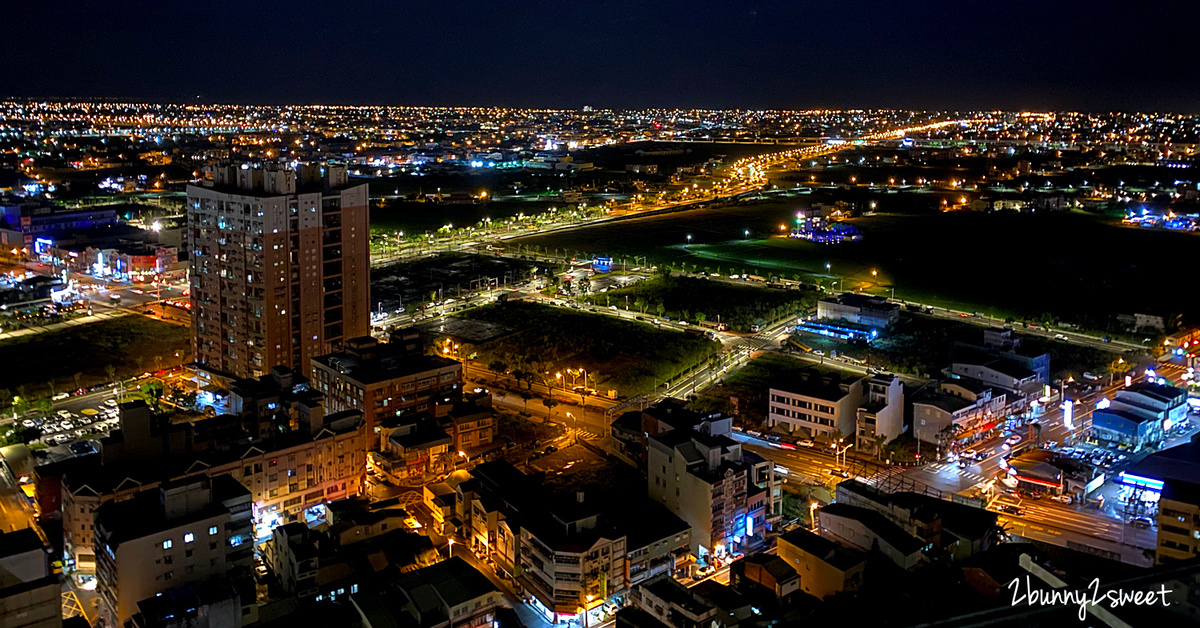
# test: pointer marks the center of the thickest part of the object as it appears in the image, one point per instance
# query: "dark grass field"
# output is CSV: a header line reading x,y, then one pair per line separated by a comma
x,y
623,355
130,344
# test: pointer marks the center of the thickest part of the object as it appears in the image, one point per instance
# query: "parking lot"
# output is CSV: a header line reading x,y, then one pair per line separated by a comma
x,y
64,426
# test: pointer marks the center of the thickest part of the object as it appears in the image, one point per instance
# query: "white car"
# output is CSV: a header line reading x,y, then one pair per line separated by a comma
x,y
66,414
1062,499
112,403
1013,440
60,396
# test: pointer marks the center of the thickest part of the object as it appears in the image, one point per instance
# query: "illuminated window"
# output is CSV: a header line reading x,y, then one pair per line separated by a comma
x,y
212,530
167,544
189,537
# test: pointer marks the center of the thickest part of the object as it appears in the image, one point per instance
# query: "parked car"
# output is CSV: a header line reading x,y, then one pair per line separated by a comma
x,y
1062,499
551,449
804,443
1141,523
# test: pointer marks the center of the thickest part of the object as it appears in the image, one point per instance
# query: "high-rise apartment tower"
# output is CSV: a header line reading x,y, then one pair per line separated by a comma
x,y
279,262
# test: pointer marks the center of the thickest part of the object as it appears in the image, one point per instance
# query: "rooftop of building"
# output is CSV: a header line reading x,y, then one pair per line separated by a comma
x,y
1003,366
835,555
942,401
774,565
444,585
963,520
1127,415
891,533
822,384
862,300
19,542
381,363
1159,392
146,514
669,590
1181,491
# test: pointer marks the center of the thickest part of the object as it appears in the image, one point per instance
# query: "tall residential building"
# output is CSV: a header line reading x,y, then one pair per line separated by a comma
x,y
279,266
725,494
193,530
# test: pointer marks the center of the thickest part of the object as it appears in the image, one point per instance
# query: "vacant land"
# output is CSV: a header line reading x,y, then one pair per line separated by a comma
x,y
749,387
130,344
694,300
1065,266
630,357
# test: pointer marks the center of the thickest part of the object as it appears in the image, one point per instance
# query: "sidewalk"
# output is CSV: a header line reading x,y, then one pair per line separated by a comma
x,y
83,320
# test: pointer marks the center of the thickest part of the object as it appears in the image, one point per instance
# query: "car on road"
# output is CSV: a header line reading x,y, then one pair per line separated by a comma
x,y
1062,499
804,443
1141,523
1013,440
841,473
970,454
551,449
1010,509
60,396
818,352
1059,337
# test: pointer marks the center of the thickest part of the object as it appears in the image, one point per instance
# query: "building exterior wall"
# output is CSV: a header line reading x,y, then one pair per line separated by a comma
x,y
817,577
1178,531
814,416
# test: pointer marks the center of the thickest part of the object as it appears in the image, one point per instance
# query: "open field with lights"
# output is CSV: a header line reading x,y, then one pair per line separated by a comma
x,y
1061,265
618,354
129,344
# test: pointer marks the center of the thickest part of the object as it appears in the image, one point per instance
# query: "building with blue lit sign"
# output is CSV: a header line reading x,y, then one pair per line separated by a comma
x,y
1181,463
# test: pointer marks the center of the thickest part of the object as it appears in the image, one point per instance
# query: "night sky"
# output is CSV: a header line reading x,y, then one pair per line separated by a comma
x,y
924,54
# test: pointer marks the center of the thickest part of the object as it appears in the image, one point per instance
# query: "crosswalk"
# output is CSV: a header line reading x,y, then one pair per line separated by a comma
x,y
589,435
938,467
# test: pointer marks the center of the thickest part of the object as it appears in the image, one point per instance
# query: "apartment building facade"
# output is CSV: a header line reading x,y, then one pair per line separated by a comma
x,y
189,531
818,404
279,263
290,479
726,495
383,381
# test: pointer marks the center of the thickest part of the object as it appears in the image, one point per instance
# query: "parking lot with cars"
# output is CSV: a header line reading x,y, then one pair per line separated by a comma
x,y
63,426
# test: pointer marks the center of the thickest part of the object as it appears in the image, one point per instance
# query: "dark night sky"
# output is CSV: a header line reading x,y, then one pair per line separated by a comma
x,y
839,53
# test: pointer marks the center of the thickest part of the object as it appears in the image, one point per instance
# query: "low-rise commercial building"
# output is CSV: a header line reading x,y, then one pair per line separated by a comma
x,y
859,309
818,404
1138,415
825,568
